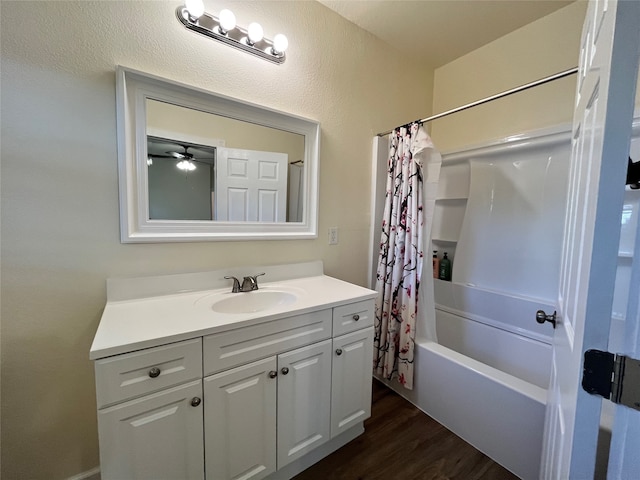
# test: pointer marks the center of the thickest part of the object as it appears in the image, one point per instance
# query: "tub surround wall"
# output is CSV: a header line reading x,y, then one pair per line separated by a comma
x,y
501,214
506,230
60,237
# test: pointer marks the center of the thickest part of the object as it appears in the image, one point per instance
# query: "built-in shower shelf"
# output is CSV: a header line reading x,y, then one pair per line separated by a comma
x,y
445,240
451,199
447,219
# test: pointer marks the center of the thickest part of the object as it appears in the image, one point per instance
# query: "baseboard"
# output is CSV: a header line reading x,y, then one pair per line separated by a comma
x,y
93,474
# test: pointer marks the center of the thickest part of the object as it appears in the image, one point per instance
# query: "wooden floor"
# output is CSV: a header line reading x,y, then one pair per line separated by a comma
x,y
402,443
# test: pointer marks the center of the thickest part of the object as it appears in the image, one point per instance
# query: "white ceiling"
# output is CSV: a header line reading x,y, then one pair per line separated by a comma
x,y
439,31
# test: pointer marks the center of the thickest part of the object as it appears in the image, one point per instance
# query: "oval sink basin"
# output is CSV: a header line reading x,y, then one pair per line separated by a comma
x,y
251,302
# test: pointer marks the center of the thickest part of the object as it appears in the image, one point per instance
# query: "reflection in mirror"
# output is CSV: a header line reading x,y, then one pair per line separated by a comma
x,y
250,172
197,166
181,180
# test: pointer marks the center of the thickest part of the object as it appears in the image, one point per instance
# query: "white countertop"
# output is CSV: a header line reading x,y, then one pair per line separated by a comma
x,y
133,324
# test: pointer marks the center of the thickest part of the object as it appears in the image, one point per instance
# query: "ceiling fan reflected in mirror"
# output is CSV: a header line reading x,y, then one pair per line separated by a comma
x,y
159,148
186,162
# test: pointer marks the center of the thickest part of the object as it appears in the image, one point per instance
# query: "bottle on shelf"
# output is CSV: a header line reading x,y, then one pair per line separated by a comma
x,y
445,268
436,265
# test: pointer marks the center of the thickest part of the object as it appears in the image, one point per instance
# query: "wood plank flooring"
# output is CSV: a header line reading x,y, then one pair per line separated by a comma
x,y
402,443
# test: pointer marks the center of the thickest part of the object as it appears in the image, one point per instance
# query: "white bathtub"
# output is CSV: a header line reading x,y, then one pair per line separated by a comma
x,y
487,385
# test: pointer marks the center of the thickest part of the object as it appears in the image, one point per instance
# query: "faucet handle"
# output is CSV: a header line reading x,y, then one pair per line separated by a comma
x,y
236,284
250,283
255,279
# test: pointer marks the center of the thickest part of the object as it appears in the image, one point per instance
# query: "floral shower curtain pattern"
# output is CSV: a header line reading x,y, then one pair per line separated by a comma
x,y
401,252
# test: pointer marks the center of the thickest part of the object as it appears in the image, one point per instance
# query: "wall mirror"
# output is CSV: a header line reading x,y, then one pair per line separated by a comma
x,y
198,166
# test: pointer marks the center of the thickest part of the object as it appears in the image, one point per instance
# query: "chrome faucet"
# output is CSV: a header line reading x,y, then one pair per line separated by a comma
x,y
249,283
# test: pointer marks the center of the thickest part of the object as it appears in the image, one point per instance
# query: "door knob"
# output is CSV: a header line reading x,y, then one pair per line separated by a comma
x,y
195,401
285,370
338,351
541,317
273,374
154,372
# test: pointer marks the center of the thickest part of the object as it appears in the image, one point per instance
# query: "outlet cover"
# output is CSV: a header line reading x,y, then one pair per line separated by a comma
x,y
333,235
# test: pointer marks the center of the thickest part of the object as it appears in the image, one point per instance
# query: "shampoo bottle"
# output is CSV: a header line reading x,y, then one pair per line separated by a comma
x,y
445,268
436,264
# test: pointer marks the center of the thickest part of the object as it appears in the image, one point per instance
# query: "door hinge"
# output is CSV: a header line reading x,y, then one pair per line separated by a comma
x,y
614,377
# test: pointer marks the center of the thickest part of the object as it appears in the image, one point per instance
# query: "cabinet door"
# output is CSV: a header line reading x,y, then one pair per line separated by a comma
x,y
240,421
351,380
304,400
157,436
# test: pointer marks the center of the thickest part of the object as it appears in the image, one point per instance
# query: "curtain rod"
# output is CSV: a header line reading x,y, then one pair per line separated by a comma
x,y
521,88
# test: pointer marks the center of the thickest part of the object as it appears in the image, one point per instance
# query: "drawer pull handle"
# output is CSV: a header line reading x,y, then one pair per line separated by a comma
x,y
338,351
195,401
154,372
285,370
356,317
273,374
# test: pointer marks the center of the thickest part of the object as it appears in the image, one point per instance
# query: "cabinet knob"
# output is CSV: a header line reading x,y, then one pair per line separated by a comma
x,y
273,374
195,401
356,317
154,372
338,351
284,370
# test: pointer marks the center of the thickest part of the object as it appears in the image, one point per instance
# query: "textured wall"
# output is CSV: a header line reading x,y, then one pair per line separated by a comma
x,y
542,48
60,237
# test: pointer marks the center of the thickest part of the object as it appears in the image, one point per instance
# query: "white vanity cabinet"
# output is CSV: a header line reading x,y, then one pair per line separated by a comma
x,y
257,399
304,400
351,380
150,413
240,433
352,365
281,401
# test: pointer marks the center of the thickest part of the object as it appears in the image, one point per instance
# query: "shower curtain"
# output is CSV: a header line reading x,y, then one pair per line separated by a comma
x,y
413,172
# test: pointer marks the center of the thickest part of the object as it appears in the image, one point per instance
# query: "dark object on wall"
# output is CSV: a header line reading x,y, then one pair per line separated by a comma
x,y
633,174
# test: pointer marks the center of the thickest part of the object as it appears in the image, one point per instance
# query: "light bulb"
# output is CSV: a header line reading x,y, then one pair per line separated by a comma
x,y
194,7
186,165
280,43
227,20
255,32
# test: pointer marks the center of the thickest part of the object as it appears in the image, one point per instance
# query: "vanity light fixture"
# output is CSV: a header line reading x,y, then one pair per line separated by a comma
x,y
224,29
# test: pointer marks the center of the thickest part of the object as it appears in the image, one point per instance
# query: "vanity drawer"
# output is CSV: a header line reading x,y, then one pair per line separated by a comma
x,y
352,317
135,374
243,345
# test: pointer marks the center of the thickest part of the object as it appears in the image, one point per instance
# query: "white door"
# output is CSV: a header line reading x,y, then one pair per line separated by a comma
x,y
600,147
250,185
304,400
240,421
351,380
157,436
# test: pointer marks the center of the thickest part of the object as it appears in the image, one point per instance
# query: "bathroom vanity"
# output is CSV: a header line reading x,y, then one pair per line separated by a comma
x,y
194,381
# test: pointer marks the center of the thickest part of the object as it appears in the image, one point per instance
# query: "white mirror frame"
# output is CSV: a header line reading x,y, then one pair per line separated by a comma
x,y
133,88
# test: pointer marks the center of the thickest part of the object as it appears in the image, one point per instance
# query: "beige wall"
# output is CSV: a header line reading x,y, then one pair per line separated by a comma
x,y
542,48
60,238
174,119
